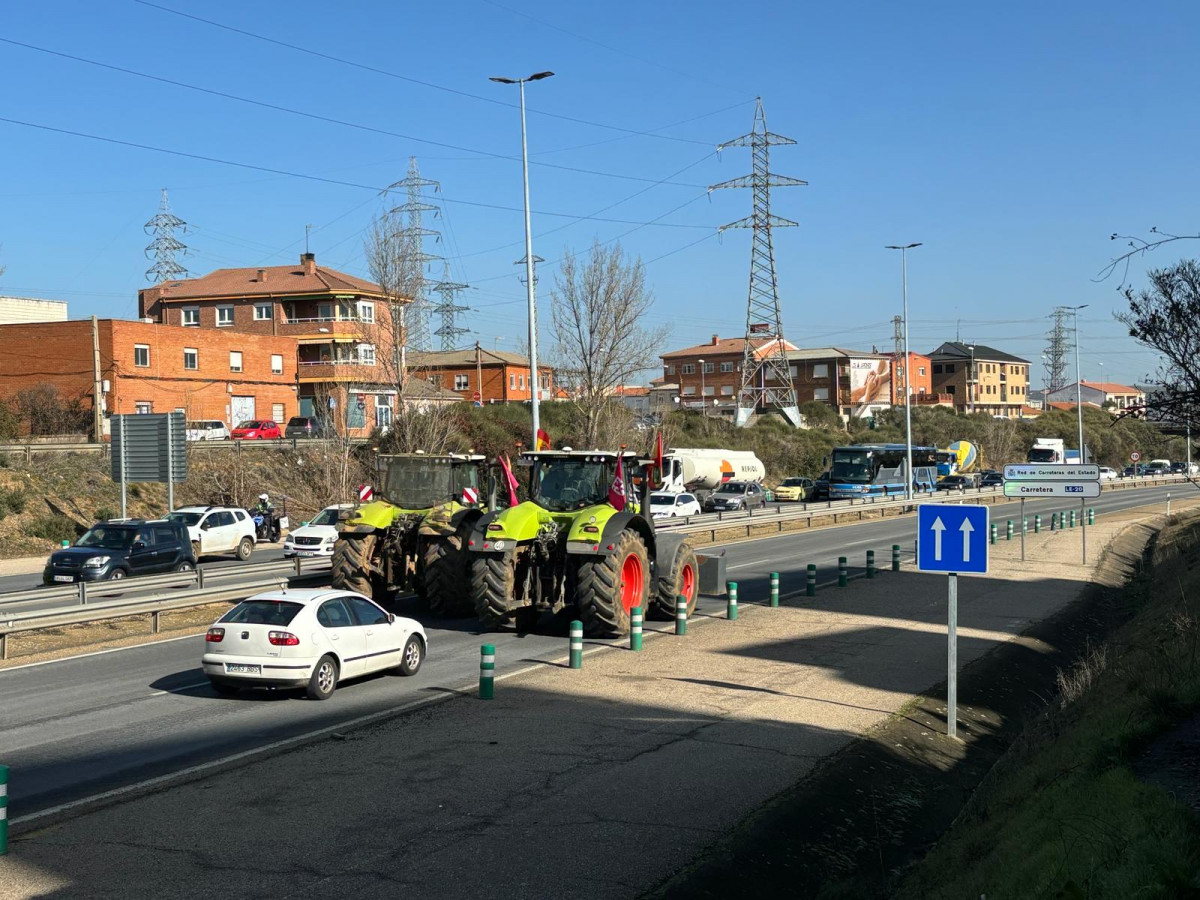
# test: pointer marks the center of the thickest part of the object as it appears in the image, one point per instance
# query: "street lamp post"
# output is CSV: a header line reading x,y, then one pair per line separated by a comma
x,y
972,379
1079,383
529,285
904,248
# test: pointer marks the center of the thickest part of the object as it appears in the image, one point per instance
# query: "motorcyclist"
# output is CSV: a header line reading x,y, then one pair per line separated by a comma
x,y
264,504
265,523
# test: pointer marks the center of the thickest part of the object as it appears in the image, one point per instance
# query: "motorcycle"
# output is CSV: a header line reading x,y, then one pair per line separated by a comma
x,y
268,524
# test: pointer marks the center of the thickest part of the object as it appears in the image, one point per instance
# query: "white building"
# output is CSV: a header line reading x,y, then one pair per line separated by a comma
x,y
17,310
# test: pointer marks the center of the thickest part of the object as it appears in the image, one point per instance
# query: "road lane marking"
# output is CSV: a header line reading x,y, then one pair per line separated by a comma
x,y
45,662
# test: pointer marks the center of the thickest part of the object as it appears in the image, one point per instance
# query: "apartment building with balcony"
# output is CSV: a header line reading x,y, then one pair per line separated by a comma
x,y
344,352
482,376
980,378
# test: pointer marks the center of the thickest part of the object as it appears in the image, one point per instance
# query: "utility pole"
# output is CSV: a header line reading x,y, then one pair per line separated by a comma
x,y
763,319
1056,350
97,385
412,236
479,372
448,309
165,248
904,248
530,295
897,334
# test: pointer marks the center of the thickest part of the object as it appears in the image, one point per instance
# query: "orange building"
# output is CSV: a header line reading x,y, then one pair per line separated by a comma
x,y
920,378
484,376
144,367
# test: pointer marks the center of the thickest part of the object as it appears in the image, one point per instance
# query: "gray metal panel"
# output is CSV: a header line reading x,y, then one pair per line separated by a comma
x,y
142,441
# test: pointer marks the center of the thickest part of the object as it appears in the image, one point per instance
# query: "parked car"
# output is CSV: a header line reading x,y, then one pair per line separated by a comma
x,y
1107,474
991,479
736,495
312,638
665,505
217,529
954,483
1134,470
794,489
207,430
257,430
112,550
307,427
316,538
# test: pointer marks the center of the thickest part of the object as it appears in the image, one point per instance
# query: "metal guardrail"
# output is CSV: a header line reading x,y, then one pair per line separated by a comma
x,y
31,449
267,575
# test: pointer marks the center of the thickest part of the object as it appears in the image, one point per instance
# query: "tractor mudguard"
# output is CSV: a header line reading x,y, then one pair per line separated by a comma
x,y
479,530
444,520
667,546
617,523
377,515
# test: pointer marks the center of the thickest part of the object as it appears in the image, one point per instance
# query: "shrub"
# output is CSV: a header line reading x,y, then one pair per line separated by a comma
x,y
53,528
13,500
104,513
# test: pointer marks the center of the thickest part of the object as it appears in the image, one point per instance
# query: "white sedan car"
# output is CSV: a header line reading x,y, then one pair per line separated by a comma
x,y
313,639
315,538
665,505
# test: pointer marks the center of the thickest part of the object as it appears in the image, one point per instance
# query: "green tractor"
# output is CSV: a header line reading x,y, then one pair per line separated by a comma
x,y
569,548
413,537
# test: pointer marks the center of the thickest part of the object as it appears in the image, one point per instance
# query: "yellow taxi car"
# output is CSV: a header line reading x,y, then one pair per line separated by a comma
x,y
794,489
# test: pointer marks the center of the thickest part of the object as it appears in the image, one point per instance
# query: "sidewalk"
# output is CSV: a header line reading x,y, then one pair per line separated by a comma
x,y
592,783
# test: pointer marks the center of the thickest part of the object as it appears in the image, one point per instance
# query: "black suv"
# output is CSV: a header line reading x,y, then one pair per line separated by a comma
x,y
116,549
307,427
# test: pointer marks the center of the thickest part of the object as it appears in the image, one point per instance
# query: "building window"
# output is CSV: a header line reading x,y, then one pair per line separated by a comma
x,y
727,390
366,312
462,382
324,312
689,391
709,368
545,381
383,410
276,363
143,407
920,370
671,369
277,412
727,367
366,354
521,382
709,390
262,312
950,389
937,368
512,381
821,370
224,316
949,368
688,369
235,360
141,355
793,372
821,393
191,316
191,358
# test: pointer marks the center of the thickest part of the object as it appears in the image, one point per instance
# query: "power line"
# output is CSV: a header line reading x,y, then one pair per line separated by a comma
x,y
317,178
327,119
429,84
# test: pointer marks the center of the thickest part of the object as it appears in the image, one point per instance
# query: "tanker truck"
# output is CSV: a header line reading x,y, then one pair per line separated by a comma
x,y
701,472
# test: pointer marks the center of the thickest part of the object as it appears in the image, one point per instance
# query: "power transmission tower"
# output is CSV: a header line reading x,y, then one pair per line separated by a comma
x,y
898,334
448,309
165,249
412,236
766,376
1057,348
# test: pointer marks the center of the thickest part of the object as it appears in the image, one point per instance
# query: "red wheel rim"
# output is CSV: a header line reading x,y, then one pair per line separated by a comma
x,y
632,581
689,583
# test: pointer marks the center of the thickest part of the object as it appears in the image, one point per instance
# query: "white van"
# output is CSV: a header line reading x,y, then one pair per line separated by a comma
x,y
207,430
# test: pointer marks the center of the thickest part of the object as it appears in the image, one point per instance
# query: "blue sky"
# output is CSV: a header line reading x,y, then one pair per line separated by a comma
x,y
1011,139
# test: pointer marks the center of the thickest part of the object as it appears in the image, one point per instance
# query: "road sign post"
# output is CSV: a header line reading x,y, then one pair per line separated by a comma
x,y
952,539
1022,529
1055,480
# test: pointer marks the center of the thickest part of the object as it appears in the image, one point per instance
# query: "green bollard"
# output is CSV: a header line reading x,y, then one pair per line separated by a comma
x,y
1053,521
1072,519
993,534
870,563
65,544
487,672
1091,515
895,557
810,581
3,810
1037,523
731,606
1008,531
842,579
635,628
774,588
681,614
576,645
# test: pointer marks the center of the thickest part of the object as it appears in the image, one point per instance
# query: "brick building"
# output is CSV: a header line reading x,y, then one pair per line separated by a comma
x,y
147,367
343,339
981,379
491,376
920,378
709,374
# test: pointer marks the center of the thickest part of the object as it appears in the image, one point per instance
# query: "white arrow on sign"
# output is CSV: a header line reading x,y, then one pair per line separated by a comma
x,y
938,528
966,528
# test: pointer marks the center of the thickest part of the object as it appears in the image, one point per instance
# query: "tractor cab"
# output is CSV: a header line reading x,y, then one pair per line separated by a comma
x,y
421,481
567,481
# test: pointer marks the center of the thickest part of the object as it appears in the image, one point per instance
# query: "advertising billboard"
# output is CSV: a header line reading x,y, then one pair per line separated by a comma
x,y
870,386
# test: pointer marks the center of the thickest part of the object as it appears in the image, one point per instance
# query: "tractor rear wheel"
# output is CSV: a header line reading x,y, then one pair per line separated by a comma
x,y
610,586
678,575
447,576
493,587
355,567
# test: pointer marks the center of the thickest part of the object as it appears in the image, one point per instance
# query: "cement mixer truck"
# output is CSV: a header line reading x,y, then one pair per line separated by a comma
x,y
701,472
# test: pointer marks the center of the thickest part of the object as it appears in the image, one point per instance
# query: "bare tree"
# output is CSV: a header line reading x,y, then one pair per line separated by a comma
x,y
395,265
601,339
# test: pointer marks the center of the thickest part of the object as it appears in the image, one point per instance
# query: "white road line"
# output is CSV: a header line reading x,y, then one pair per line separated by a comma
x,y
46,662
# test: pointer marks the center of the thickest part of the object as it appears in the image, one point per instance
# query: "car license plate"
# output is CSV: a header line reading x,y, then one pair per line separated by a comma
x,y
242,669
66,578
306,553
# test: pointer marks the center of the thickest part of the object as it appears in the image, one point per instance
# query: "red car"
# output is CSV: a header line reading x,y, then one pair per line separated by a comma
x,y
257,430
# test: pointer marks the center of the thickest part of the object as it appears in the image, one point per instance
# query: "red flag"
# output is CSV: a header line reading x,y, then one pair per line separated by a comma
x,y
658,458
543,440
616,492
509,479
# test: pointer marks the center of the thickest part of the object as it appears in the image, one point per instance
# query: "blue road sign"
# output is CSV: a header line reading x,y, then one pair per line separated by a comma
x,y
952,538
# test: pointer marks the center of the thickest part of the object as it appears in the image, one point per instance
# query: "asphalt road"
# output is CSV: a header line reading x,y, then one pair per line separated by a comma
x,y
77,727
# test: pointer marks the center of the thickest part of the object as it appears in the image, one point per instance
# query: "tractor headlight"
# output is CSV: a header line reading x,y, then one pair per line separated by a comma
x,y
96,562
